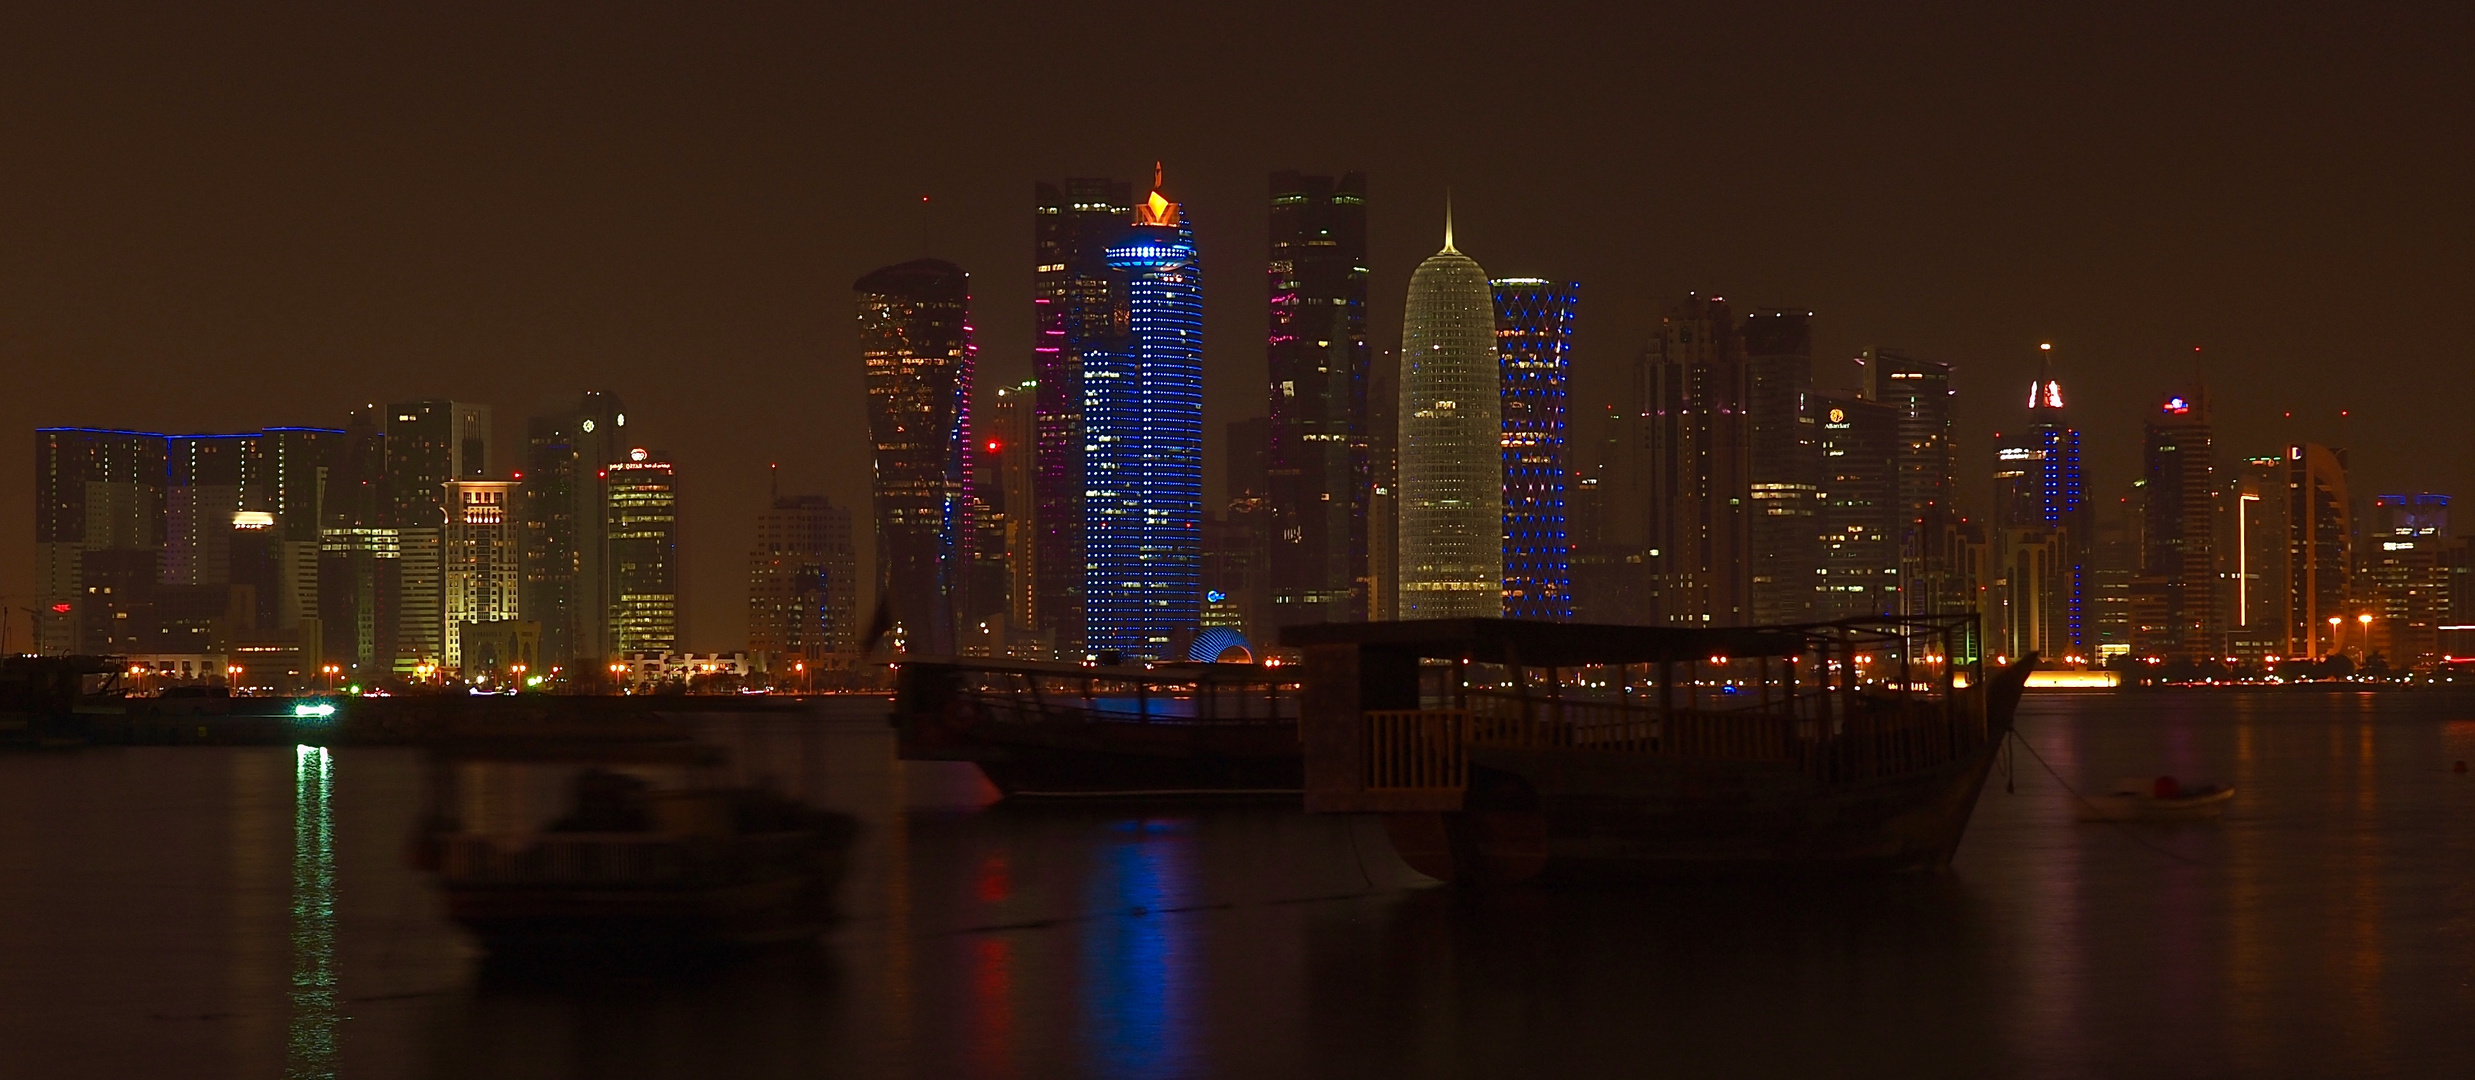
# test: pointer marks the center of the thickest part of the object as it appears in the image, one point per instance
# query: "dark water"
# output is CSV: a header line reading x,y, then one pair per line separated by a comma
x,y
246,912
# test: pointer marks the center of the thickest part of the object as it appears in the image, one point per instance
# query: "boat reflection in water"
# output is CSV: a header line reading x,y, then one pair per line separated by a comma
x,y
1500,749
655,853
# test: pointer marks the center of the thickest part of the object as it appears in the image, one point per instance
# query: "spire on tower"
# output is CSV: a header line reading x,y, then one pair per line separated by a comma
x,y
1448,220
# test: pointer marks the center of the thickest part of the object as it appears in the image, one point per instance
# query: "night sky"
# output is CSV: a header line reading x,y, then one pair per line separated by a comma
x,y
271,213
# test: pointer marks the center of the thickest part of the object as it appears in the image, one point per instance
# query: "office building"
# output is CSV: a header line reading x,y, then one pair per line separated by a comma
x,y
2320,551
1784,462
2175,598
480,560
1451,443
1079,312
1859,521
360,555
565,533
1924,479
287,481
1143,425
429,444
641,504
1534,323
803,583
1697,449
1319,364
2406,571
2040,484
915,340
1008,438
2251,559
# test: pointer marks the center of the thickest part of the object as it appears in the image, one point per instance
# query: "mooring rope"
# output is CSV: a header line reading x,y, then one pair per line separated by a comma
x,y
2118,826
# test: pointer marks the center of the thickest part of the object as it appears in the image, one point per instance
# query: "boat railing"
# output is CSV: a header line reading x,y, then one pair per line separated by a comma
x,y
1428,749
1417,749
1066,698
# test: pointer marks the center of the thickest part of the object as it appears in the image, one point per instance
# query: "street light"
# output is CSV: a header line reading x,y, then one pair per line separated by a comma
x,y
2337,634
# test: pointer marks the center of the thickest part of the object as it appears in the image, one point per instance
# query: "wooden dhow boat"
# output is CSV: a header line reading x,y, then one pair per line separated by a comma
x,y
1499,750
1049,729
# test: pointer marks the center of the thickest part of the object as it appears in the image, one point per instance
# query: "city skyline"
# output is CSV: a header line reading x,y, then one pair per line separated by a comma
x,y
511,255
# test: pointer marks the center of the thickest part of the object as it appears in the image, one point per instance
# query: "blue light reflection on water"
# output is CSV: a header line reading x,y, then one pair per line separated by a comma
x,y
1136,1011
315,1016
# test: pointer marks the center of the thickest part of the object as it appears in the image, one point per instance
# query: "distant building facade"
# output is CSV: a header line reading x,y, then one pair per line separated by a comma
x,y
1320,367
480,560
1534,324
915,341
1079,316
803,582
641,504
1698,452
1451,443
1783,462
1143,427
566,532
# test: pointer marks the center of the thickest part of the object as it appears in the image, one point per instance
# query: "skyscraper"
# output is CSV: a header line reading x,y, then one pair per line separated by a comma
x,y
1079,305
95,490
287,480
1534,345
2251,558
1451,443
1924,480
1319,366
641,495
1009,438
1860,516
1784,461
803,584
360,555
2406,576
2174,600
429,443
2040,486
1143,424
1693,385
566,533
479,559
2320,550
201,493
915,339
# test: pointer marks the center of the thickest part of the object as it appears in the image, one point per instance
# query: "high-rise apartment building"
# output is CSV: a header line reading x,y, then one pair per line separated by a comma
x,y
480,559
287,481
429,444
1143,424
95,490
2406,574
1932,579
1784,462
641,505
803,583
915,340
1318,445
1693,387
1079,312
1860,517
202,491
565,531
1534,322
2320,551
1451,443
2174,601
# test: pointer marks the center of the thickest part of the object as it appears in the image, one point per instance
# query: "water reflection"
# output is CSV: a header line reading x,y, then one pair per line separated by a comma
x,y
315,1007
1134,1003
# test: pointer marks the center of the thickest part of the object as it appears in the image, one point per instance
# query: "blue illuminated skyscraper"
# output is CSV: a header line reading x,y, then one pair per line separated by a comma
x,y
1079,305
1143,438
2040,486
1534,344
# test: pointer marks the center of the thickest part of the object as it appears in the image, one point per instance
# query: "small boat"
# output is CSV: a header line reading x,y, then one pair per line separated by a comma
x,y
655,852
2136,798
1499,750
1070,730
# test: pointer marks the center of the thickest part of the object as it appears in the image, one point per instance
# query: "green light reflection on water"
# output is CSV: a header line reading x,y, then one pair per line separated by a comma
x,y
311,1048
